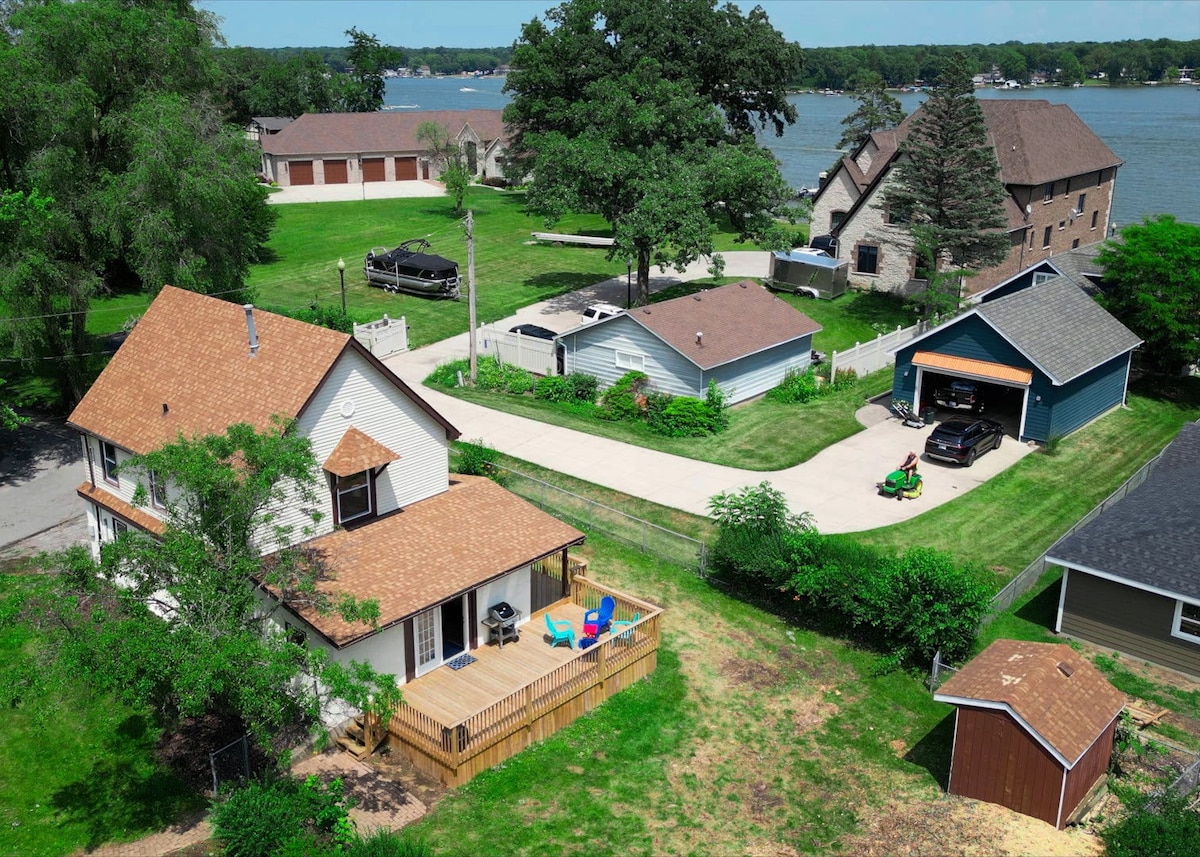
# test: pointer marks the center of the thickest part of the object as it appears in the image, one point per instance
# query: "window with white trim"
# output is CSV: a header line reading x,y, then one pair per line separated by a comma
x,y
628,360
118,526
1040,277
158,491
353,496
1187,621
1095,217
108,456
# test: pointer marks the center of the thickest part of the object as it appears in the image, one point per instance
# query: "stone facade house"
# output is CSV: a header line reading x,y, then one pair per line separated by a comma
x,y
1058,174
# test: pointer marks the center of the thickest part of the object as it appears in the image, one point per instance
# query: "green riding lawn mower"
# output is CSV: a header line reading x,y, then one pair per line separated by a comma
x,y
900,485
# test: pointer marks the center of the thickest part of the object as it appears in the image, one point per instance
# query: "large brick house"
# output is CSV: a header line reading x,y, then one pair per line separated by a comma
x,y
352,148
1059,176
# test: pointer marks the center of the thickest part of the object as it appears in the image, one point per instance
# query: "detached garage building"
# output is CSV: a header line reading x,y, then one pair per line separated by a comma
x,y
1049,355
351,148
1033,730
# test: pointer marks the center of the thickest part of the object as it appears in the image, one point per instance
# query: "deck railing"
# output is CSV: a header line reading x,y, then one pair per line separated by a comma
x,y
452,743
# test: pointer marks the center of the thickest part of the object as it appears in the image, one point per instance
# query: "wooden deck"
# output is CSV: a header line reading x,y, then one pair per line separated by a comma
x,y
456,723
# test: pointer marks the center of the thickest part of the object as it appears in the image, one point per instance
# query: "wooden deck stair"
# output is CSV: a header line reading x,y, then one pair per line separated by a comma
x,y
363,736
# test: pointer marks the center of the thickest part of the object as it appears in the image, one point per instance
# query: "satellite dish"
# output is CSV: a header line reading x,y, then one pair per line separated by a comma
x,y
1028,210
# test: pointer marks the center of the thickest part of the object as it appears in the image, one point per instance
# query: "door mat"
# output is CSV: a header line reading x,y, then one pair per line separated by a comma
x,y
461,661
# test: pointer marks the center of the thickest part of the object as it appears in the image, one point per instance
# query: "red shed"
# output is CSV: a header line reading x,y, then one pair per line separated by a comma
x,y
1034,728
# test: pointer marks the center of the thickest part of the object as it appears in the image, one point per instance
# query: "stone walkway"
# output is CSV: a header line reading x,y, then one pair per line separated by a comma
x,y
379,803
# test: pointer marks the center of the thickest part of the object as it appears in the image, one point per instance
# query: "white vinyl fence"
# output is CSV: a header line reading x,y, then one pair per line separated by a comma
x,y
866,357
384,337
529,352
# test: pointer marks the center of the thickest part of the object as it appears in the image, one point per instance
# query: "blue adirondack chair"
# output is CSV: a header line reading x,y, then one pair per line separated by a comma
x,y
601,617
560,632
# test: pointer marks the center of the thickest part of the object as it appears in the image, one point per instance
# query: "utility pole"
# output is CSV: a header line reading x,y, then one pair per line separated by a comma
x,y
471,293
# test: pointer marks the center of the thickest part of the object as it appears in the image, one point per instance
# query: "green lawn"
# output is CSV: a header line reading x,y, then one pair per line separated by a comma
x,y
762,435
78,771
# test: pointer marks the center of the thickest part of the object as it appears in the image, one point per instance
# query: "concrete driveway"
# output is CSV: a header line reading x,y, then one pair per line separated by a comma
x,y
838,485
351,192
39,471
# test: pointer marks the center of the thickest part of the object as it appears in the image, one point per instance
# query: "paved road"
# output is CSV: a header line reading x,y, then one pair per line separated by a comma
x,y
837,485
39,471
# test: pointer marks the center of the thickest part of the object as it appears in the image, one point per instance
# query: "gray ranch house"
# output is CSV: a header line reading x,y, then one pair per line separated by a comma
x,y
1047,359
353,148
1131,581
740,335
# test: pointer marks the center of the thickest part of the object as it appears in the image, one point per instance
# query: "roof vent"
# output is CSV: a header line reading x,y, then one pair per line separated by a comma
x,y
743,284
699,337
696,297
646,310
165,409
1066,669
249,308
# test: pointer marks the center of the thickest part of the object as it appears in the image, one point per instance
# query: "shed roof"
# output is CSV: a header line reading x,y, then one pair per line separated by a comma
x,y
1051,689
1059,327
425,553
315,134
735,321
186,368
1151,538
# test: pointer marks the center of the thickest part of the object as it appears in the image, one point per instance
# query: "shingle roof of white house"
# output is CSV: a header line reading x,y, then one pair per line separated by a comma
x,y
1059,327
368,133
1152,537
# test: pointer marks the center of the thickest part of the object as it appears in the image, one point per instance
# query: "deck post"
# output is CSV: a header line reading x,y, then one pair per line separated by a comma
x,y
566,574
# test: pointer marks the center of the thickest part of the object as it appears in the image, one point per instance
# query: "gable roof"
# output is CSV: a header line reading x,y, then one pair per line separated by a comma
x,y
423,554
735,321
272,123
186,368
369,133
357,452
1151,538
1064,709
1078,265
1057,326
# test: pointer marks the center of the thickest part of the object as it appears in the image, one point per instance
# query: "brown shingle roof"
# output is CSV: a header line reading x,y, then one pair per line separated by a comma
x,y
191,354
1067,711
357,452
316,134
1038,142
435,549
736,320
115,504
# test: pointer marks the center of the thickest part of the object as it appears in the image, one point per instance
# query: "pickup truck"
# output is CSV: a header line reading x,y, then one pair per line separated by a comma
x,y
960,394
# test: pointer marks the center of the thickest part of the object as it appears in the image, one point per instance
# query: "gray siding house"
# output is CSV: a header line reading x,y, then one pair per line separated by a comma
x,y
1050,356
1131,580
740,335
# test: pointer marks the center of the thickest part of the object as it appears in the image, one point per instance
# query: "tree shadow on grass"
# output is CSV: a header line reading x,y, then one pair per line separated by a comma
x,y
876,308
933,751
125,791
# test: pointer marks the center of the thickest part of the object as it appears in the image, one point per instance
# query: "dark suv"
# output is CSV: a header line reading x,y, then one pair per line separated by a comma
x,y
962,440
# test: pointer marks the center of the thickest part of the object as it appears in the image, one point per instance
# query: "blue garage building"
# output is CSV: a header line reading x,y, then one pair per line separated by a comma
x,y
1048,356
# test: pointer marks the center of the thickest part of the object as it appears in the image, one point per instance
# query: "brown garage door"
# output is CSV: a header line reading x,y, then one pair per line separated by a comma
x,y
301,172
335,172
406,169
373,170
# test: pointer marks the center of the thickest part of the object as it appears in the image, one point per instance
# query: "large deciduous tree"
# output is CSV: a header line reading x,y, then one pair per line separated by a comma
x,y
645,113
105,113
946,182
362,89
1152,284
173,622
447,158
877,110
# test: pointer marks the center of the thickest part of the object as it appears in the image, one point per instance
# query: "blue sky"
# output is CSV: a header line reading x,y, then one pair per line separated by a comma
x,y
813,23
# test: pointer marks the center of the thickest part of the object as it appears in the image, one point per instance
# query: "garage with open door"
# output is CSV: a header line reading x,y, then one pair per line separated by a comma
x,y
336,172
406,169
1045,360
300,172
374,170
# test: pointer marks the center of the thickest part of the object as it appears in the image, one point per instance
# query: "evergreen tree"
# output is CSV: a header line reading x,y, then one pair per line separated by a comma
x,y
946,182
877,110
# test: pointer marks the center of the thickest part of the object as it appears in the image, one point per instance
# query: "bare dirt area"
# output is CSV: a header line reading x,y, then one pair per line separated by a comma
x,y
960,826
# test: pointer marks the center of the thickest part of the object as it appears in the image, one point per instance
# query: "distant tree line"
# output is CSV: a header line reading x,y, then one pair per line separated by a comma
x,y
1064,62
440,60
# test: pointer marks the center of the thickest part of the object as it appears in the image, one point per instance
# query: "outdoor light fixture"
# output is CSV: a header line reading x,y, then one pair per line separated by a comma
x,y
342,274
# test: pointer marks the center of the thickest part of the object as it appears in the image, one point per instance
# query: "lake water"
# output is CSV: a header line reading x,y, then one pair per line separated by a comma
x,y
1155,130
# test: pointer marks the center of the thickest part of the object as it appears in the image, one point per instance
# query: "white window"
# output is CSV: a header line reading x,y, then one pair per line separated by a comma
x,y
158,491
1040,277
1187,621
626,360
108,455
353,494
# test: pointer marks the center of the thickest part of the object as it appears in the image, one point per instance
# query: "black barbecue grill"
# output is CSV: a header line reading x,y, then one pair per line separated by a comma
x,y
502,623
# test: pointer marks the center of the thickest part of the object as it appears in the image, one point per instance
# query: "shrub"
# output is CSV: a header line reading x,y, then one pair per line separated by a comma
x,y
844,379
322,316
446,374
1169,830
475,458
494,181
583,387
797,388
553,388
626,398
756,537
680,416
283,816
718,411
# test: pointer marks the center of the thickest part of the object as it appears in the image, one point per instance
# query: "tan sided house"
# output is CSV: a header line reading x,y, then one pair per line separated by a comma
x,y
1058,174
438,552
353,148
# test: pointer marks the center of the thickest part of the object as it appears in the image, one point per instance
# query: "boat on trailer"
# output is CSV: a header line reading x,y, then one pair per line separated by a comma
x,y
408,269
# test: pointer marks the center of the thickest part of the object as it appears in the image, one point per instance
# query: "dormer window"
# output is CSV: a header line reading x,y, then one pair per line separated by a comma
x,y
353,496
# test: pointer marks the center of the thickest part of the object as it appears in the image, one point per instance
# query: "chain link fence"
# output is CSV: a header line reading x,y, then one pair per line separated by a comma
x,y
230,765
589,515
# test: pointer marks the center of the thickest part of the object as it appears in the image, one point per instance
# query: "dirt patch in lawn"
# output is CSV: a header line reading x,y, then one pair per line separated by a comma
x,y
954,825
